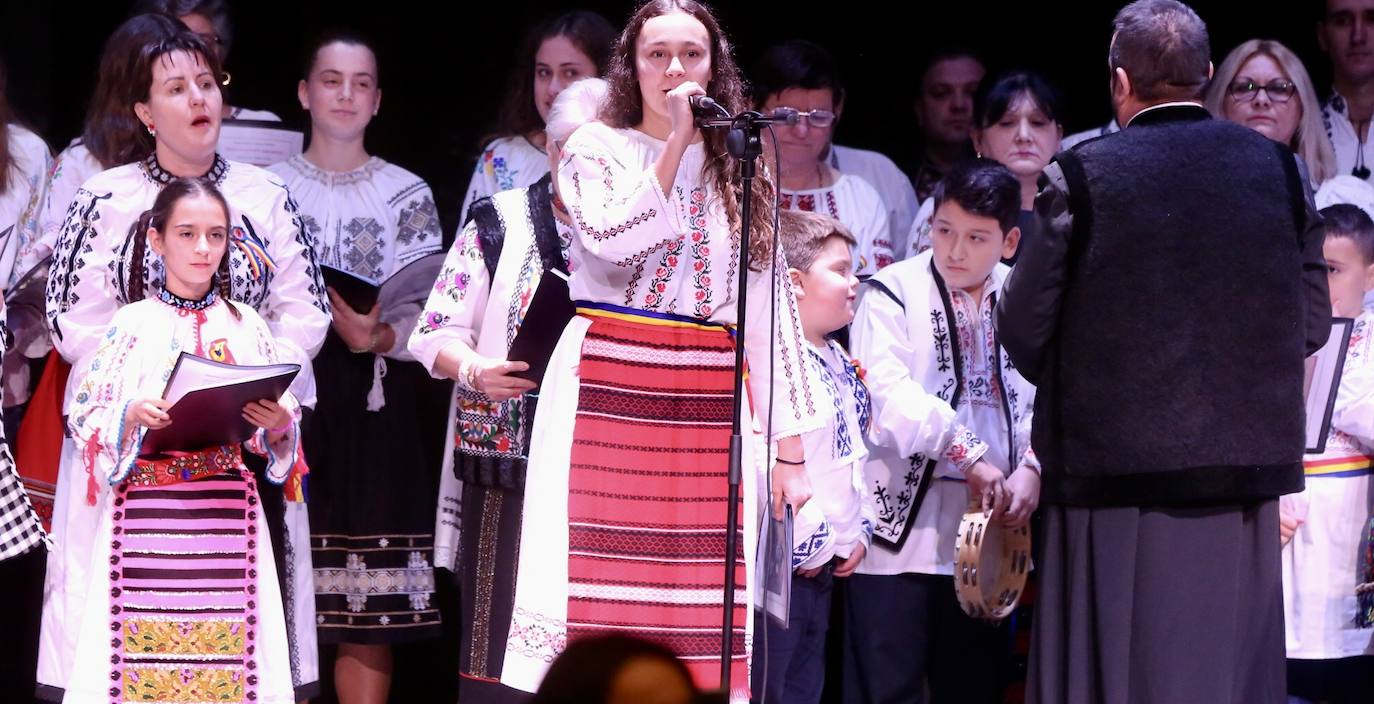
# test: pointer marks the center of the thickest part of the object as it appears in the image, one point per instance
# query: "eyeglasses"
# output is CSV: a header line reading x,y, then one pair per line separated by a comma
x,y
1278,91
814,118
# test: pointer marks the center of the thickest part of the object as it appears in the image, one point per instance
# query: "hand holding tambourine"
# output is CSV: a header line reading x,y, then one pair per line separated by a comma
x,y
992,547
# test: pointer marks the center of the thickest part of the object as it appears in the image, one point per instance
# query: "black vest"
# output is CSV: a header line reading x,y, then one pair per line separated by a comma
x,y
1177,372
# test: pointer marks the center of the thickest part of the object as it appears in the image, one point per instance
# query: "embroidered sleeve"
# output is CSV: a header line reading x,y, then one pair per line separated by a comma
x,y
964,449
60,192
283,454
1354,412
452,315
297,305
491,165
907,417
873,234
792,387
813,542
24,240
81,299
918,239
620,212
417,236
106,444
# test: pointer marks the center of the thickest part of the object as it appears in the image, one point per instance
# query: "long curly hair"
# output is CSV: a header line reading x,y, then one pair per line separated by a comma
x,y
624,107
156,218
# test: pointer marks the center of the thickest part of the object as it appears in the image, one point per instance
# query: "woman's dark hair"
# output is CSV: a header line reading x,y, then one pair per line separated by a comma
x,y
624,107
995,98
342,35
585,671
588,31
796,63
113,134
156,218
217,11
982,187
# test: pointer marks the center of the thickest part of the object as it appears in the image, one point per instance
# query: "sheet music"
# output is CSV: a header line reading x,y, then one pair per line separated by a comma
x,y
259,142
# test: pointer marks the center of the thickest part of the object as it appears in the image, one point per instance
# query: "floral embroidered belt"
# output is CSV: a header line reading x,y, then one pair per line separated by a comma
x,y
186,467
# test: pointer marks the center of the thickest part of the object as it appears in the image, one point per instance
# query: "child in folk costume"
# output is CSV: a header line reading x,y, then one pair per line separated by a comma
x,y
192,611
951,424
1324,527
370,219
624,519
832,532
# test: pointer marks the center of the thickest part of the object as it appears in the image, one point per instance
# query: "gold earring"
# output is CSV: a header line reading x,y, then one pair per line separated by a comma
x,y
227,78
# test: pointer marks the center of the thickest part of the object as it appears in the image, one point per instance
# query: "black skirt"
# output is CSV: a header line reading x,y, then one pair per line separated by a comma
x,y
372,489
1159,606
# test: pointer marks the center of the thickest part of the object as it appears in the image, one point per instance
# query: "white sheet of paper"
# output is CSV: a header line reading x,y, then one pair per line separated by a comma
x,y
259,142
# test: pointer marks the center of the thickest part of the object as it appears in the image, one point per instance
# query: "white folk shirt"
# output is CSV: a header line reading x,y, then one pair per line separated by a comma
x,y
21,208
943,392
370,222
857,206
1351,151
91,264
893,186
506,163
1321,563
838,517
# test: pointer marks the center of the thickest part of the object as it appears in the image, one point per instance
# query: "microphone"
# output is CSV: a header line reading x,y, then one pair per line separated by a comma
x,y
705,109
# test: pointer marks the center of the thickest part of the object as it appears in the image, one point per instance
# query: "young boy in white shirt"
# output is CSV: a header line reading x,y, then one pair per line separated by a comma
x,y
951,425
1330,656
832,531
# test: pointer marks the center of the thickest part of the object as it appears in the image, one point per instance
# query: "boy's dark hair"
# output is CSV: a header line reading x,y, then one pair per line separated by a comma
x,y
1345,220
982,187
805,233
796,63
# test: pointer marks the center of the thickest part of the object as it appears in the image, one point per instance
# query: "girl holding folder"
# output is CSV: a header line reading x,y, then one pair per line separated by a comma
x,y
192,610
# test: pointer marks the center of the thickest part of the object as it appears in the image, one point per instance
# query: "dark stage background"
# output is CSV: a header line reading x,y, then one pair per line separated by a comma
x,y
444,64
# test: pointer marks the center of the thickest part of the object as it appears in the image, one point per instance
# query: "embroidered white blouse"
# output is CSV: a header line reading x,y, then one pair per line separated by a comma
x,y
636,247
893,186
369,222
857,205
273,267
506,163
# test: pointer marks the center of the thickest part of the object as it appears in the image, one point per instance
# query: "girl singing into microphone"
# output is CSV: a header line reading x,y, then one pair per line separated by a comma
x,y
625,512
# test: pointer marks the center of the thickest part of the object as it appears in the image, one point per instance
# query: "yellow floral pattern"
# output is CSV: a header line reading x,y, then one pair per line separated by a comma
x,y
183,684
213,637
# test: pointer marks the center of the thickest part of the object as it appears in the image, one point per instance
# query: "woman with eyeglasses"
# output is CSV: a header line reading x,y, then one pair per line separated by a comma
x,y
1264,86
801,77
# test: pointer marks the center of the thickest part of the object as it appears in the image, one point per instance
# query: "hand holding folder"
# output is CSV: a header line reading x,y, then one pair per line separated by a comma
x,y
204,403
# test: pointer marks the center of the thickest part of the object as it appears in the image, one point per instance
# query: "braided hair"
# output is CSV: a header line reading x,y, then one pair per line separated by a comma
x,y
156,218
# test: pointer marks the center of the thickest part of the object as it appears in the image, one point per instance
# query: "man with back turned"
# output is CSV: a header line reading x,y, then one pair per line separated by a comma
x,y
1164,317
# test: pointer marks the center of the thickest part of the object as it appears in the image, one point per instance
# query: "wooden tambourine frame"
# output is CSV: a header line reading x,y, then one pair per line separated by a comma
x,y
989,582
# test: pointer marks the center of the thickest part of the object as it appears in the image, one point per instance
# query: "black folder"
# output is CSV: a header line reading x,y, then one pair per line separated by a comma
x,y
411,282
549,311
207,403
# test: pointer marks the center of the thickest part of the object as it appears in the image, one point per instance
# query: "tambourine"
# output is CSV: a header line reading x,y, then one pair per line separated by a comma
x,y
990,565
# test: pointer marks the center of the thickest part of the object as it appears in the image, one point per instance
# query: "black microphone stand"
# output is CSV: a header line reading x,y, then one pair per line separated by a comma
x,y
744,142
